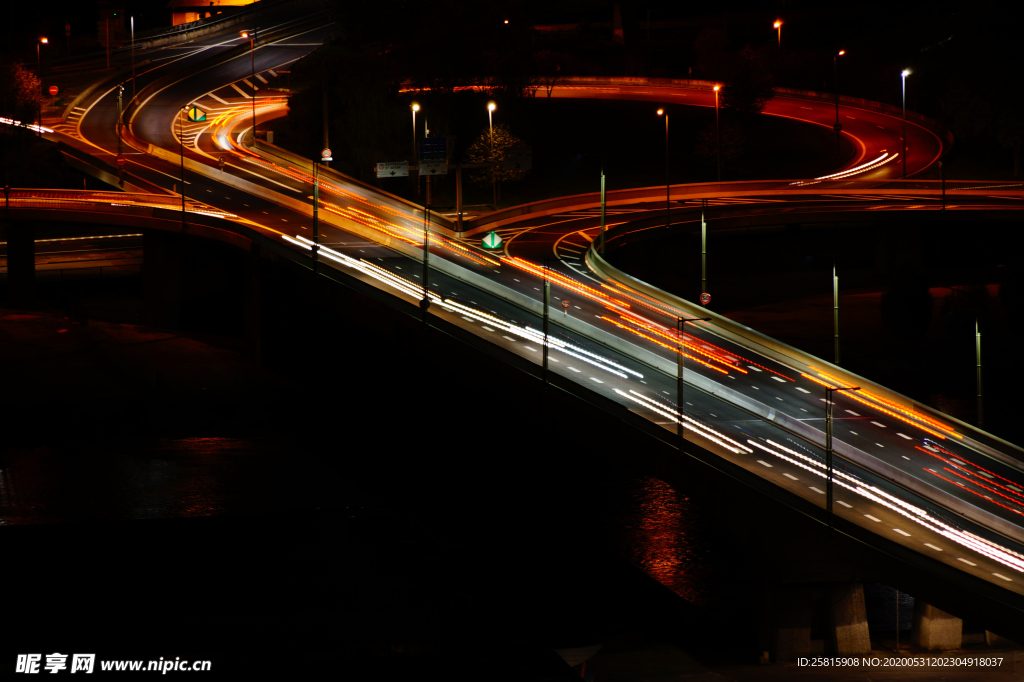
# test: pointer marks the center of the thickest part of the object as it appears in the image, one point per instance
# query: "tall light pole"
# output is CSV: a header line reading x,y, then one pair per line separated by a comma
x,y
903,75
703,250
415,107
133,57
681,322
668,205
181,151
425,302
316,218
838,127
39,74
835,309
778,26
491,106
252,63
829,390
718,136
120,136
977,351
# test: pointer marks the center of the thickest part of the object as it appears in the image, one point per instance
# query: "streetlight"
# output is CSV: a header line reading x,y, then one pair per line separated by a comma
x,y
679,371
252,62
829,390
718,135
491,106
778,26
838,127
120,136
835,309
133,57
668,205
39,74
903,75
181,151
415,107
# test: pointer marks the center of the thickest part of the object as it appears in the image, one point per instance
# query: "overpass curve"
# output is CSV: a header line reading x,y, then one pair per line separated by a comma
x,y
949,493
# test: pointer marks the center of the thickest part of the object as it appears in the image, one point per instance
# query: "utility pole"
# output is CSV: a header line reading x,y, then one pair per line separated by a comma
x,y
977,354
835,309
547,298
181,150
829,497
425,303
703,251
603,207
680,323
120,138
316,217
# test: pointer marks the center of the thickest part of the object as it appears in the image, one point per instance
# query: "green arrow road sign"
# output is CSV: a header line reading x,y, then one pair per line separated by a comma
x,y
196,114
492,241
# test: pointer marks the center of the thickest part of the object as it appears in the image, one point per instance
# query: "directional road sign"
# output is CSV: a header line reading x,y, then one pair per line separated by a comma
x,y
518,158
492,241
196,114
705,298
392,169
434,156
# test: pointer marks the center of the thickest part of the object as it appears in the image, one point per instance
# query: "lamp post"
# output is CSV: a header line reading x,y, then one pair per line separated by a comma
x,y
491,106
181,151
838,127
252,63
718,136
903,76
425,303
829,390
39,74
120,136
133,57
835,309
316,218
778,26
415,107
668,205
681,322
977,351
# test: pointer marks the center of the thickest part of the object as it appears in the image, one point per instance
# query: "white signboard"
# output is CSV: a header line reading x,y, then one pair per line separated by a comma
x,y
392,169
432,168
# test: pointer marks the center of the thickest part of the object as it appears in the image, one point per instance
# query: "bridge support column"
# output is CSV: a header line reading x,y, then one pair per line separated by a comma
x,y
21,264
933,629
849,620
162,264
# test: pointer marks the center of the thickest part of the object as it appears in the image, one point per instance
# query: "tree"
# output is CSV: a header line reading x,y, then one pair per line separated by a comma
x,y
481,152
733,142
20,93
750,85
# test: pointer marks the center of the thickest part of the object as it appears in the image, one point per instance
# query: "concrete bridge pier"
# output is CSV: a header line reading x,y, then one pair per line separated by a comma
x,y
935,630
21,264
163,256
819,619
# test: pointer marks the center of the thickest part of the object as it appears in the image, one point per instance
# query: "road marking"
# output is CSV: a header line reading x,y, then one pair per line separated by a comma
x,y
778,398
487,328
902,532
879,445
958,461
577,307
761,461
779,379
802,390
596,379
969,563
880,127
530,348
241,91
985,474
754,387
791,476
272,72
852,412
848,506
877,424
516,280
573,368
808,108
554,359
903,436
851,117
1000,575
937,549
906,458
817,491
873,518
507,337
756,369
249,83
262,79
803,409
468,319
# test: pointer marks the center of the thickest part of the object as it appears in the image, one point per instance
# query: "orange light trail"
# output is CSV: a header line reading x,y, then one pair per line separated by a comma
x,y
977,466
692,345
974,492
894,406
974,474
564,281
853,394
663,345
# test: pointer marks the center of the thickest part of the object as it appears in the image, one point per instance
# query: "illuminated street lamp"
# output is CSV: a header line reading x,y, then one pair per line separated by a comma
x,y
778,26
415,107
181,151
252,63
718,136
491,106
668,205
838,127
39,74
903,76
